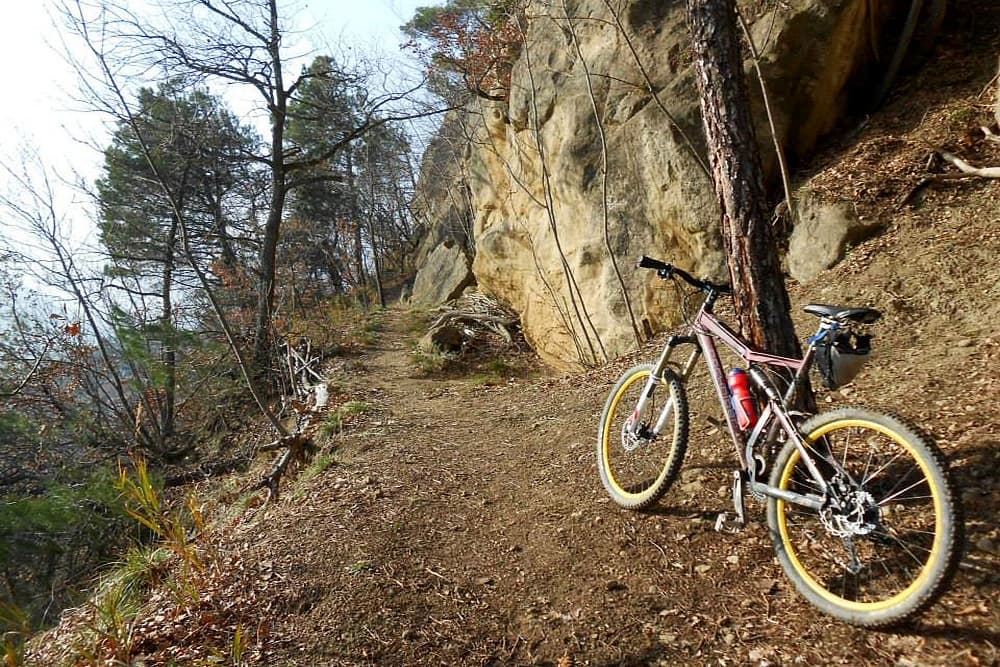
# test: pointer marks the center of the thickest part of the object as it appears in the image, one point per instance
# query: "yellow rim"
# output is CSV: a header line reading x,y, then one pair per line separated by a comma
x,y
938,520
606,442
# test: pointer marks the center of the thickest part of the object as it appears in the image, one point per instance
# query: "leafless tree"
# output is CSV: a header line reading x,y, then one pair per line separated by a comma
x,y
248,43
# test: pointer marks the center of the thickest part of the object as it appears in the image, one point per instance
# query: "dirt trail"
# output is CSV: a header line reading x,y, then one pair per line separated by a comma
x,y
466,524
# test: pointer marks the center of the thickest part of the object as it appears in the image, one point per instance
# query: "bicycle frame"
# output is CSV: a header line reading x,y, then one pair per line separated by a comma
x,y
705,330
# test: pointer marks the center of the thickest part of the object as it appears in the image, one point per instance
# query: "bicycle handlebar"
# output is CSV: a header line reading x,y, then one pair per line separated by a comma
x,y
665,271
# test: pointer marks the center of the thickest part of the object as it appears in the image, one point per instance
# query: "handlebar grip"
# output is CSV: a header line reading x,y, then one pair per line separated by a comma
x,y
650,263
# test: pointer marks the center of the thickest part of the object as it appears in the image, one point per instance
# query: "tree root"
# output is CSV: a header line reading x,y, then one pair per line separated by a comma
x,y
468,319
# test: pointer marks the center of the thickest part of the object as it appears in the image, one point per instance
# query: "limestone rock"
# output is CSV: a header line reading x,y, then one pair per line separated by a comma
x,y
442,277
441,203
582,169
821,236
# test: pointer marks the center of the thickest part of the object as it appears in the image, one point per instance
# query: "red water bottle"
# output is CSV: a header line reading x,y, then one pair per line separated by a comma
x,y
743,404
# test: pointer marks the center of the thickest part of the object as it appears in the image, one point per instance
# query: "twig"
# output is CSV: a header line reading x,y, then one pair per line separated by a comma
x,y
990,134
927,180
966,168
778,149
439,576
659,548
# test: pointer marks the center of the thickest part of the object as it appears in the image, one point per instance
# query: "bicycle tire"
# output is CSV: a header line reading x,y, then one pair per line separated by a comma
x,y
905,519
656,460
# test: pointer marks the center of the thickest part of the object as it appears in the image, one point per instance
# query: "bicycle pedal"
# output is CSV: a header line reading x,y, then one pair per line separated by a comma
x,y
738,504
724,525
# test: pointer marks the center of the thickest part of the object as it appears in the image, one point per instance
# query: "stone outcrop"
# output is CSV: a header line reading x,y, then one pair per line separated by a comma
x,y
443,276
583,169
442,205
823,232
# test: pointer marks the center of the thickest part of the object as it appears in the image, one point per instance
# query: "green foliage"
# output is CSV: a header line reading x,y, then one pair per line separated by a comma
x,y
48,541
62,508
141,495
238,646
429,363
350,202
196,146
962,115
337,326
14,629
13,425
136,338
119,595
360,567
319,465
495,371
333,423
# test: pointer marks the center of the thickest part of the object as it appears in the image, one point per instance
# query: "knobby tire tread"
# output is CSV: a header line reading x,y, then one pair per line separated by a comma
x,y
954,521
674,386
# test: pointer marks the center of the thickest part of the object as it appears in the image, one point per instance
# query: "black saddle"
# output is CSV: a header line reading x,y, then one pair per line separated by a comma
x,y
860,315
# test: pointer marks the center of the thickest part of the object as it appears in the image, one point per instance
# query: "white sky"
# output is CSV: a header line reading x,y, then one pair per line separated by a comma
x,y
38,110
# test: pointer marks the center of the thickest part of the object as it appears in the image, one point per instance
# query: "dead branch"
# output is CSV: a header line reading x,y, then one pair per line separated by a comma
x,y
926,180
468,318
966,168
996,102
778,149
967,171
990,134
298,446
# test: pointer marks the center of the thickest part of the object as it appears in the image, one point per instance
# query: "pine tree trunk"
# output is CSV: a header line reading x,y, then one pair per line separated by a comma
x,y
761,301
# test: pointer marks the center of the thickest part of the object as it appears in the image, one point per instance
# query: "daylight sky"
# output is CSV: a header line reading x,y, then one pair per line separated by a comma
x,y
38,110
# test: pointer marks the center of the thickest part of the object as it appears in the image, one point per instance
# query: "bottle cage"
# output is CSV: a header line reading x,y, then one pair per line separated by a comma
x,y
840,360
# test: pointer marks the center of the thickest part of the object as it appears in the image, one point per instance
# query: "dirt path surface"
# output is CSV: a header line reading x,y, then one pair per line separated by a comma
x,y
466,525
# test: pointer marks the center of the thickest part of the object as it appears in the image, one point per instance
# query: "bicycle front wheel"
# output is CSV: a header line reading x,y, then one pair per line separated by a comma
x,y
887,539
636,465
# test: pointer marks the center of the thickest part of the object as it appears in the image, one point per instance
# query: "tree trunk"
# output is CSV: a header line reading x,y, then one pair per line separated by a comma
x,y
376,264
761,301
169,356
361,278
268,250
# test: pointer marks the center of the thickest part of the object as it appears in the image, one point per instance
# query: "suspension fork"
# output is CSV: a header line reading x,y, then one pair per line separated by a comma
x,y
657,376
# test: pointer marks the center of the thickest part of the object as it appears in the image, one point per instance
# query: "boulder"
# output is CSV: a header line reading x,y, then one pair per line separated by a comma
x,y
443,276
823,232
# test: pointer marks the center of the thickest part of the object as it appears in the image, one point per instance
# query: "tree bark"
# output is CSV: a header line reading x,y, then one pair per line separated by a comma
x,y
761,301
169,356
279,189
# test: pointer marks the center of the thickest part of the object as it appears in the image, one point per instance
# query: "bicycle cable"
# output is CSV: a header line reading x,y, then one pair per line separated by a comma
x,y
685,302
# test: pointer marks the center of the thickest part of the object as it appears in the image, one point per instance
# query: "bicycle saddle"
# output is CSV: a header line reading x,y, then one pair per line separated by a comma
x,y
861,315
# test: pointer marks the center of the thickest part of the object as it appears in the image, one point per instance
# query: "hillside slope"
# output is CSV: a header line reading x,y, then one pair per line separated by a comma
x,y
467,525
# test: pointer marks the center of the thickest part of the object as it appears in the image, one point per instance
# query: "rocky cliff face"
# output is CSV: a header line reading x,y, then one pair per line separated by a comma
x,y
597,158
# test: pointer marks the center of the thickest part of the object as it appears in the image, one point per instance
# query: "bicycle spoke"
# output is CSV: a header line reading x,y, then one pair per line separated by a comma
x,y
889,463
636,466
898,493
876,533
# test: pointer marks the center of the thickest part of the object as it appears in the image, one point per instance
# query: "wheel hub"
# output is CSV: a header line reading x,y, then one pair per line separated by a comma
x,y
634,436
852,512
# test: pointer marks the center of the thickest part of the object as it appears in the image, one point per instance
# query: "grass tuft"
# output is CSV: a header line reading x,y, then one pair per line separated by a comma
x,y
333,423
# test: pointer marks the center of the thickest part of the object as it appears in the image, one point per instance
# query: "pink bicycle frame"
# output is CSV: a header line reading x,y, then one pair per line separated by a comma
x,y
707,329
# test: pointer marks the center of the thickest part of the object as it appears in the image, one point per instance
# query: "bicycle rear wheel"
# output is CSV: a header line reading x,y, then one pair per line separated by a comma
x,y
887,540
637,467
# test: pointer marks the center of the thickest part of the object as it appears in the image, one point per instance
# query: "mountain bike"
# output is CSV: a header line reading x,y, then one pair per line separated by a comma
x,y
860,507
